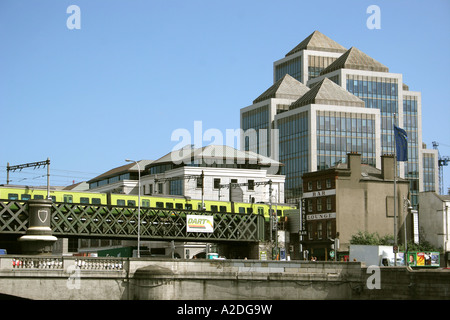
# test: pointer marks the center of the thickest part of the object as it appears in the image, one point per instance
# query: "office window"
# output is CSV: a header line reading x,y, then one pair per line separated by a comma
x,y
329,203
176,187
319,204
216,183
310,205
310,185
251,184
319,185
328,183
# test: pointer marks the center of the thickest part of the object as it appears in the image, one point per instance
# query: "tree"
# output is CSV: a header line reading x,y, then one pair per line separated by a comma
x,y
374,239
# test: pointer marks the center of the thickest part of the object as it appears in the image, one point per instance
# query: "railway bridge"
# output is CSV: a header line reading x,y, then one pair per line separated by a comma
x,y
26,218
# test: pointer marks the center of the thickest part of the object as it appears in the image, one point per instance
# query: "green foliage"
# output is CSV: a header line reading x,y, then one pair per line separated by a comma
x,y
422,246
374,239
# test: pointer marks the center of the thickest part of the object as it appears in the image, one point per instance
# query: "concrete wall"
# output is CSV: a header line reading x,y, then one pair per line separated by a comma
x,y
80,278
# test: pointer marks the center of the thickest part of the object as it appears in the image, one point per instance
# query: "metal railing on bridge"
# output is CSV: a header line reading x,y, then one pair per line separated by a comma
x,y
102,221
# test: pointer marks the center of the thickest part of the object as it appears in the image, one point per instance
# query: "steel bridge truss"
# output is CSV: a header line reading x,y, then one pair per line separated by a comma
x,y
101,221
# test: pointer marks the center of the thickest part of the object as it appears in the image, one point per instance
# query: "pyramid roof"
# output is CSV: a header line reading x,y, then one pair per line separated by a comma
x,y
319,42
355,59
328,92
287,88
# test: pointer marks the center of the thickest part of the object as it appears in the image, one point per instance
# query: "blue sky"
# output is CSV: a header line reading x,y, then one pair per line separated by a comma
x,y
136,71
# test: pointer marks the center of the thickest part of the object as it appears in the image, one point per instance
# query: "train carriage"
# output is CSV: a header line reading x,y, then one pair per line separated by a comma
x,y
23,193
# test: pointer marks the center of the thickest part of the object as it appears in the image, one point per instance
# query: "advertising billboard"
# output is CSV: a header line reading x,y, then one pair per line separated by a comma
x,y
196,223
423,259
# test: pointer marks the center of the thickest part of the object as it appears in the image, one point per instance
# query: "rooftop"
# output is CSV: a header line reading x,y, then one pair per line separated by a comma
x,y
214,154
355,59
329,93
319,42
129,167
287,88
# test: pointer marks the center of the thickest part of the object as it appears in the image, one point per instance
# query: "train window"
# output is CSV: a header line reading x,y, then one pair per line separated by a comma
x,y
169,205
214,209
179,206
96,201
260,210
38,197
241,210
53,198
84,200
188,206
160,205
13,196
120,202
279,213
223,209
25,197
249,210
131,203
68,198
146,203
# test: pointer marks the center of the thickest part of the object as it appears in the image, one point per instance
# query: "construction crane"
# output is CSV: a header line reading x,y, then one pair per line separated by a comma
x,y
442,161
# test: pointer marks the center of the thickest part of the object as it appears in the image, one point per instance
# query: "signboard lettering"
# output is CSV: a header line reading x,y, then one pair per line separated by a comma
x,y
197,223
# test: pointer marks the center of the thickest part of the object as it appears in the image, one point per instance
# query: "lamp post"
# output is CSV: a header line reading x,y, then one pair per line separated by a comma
x,y
139,207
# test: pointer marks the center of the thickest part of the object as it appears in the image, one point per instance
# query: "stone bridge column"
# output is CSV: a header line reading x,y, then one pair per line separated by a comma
x,y
38,238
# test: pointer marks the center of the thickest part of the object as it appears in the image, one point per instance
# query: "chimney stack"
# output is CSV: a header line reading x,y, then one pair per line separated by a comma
x,y
354,164
387,166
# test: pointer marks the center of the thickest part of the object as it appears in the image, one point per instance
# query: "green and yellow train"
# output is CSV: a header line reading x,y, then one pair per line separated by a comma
x,y
25,193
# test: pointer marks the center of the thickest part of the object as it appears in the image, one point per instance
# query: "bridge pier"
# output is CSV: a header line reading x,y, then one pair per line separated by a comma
x,y
38,238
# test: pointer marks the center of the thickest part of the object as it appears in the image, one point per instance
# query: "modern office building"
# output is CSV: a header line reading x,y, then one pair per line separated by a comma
x,y
319,57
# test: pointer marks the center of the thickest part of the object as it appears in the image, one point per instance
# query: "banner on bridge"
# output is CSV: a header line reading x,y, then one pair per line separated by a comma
x,y
197,223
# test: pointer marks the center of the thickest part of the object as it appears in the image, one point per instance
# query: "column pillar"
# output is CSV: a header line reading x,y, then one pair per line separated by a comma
x,y
38,238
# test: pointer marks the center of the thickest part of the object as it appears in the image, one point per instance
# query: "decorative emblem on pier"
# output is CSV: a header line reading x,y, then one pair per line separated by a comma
x,y
42,215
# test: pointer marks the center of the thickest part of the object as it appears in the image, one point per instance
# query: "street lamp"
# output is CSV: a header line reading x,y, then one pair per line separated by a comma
x,y
139,207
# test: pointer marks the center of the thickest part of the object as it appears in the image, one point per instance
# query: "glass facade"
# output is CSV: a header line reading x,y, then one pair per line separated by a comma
x,y
292,67
316,64
410,124
429,172
176,187
339,133
294,151
257,119
378,93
